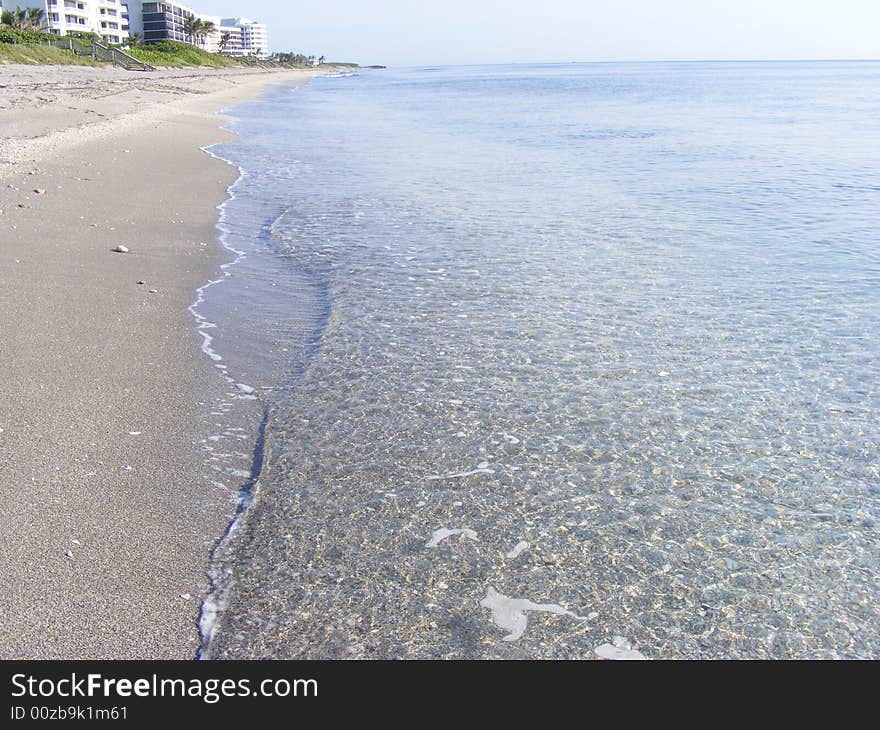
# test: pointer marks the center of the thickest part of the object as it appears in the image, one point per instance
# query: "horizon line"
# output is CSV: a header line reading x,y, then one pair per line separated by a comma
x,y
631,61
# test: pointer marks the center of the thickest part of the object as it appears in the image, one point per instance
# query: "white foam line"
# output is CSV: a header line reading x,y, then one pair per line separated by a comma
x,y
203,323
215,601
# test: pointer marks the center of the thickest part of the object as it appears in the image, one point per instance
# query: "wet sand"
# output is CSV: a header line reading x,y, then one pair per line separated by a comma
x,y
108,511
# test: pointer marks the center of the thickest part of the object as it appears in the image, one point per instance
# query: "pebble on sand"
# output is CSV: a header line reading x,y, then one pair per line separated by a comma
x,y
120,249
39,191
68,554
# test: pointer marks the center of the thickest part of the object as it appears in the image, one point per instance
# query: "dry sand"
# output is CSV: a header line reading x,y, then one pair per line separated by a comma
x,y
107,515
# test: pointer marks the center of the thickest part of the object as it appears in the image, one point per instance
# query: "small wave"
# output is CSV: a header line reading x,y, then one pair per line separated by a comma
x,y
606,134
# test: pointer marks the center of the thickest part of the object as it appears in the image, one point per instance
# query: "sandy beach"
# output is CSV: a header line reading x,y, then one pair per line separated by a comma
x,y
108,513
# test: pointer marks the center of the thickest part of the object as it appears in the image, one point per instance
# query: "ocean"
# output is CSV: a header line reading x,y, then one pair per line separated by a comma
x,y
558,361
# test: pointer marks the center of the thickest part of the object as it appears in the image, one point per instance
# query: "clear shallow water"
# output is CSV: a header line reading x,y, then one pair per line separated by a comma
x,y
624,313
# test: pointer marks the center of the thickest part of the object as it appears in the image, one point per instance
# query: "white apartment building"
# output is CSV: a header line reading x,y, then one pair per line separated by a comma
x,y
152,20
156,20
232,46
254,37
107,18
214,43
159,21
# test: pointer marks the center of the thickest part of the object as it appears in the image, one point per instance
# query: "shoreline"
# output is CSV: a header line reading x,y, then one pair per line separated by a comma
x,y
113,495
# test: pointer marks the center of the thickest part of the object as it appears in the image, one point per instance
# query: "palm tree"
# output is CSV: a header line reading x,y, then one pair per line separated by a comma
x,y
196,29
204,29
190,26
36,18
23,18
134,39
225,37
11,18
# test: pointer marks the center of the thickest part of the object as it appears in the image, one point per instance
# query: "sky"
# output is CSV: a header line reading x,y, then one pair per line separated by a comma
x,y
408,33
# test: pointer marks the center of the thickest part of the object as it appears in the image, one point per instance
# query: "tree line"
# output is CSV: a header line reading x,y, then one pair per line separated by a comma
x,y
297,59
24,18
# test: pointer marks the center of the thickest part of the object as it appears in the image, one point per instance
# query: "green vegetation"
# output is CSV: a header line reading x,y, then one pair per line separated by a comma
x,y
300,60
174,53
15,53
83,35
21,43
8,34
296,59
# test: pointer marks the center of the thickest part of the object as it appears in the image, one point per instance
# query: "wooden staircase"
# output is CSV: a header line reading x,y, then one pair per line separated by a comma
x,y
100,52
